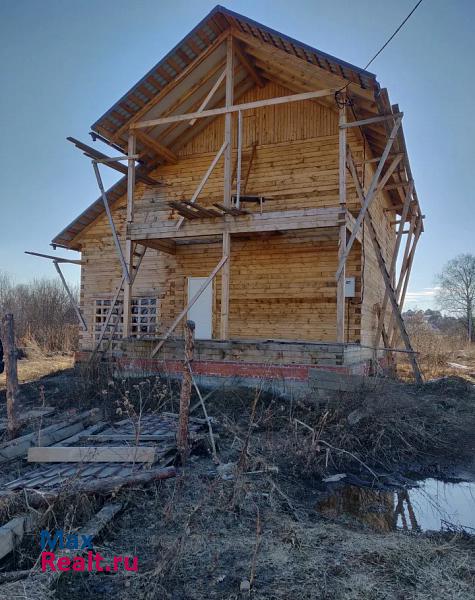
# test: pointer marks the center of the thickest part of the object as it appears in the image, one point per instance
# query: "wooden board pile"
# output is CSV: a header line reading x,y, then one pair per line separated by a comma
x,y
98,457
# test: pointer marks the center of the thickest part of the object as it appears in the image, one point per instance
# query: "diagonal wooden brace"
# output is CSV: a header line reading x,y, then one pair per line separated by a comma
x,y
189,305
77,310
204,180
111,222
387,281
404,279
392,269
210,94
372,190
118,290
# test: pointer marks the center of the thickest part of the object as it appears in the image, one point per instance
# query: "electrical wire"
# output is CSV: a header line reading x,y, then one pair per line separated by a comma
x,y
395,33
339,102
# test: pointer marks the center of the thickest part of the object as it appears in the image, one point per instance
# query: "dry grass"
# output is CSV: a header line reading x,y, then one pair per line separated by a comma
x,y
39,366
436,350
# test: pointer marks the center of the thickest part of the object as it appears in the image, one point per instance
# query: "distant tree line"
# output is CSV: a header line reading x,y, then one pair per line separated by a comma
x,y
435,320
42,313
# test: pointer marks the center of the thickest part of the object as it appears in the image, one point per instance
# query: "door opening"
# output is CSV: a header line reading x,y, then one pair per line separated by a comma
x,y
202,310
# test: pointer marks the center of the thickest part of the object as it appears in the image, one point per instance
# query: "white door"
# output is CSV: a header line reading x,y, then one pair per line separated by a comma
x,y
202,310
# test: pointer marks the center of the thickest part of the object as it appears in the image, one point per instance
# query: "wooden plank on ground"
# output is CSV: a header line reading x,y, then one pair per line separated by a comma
x,y
49,435
93,454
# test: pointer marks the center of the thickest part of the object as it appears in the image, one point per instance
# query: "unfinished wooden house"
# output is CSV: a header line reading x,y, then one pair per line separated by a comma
x,y
266,195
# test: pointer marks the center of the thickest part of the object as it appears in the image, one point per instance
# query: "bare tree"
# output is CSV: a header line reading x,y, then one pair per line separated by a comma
x,y
457,289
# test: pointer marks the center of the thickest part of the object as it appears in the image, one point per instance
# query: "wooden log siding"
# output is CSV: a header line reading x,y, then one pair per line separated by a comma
x,y
282,286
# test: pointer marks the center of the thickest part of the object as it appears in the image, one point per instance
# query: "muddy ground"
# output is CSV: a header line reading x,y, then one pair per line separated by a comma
x,y
257,521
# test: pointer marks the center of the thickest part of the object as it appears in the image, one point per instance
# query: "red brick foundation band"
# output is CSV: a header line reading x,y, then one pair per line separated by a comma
x,y
229,368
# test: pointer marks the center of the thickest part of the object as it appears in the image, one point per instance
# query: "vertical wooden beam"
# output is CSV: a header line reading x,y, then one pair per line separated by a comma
x,y
8,337
239,161
411,260
129,246
185,393
228,124
340,286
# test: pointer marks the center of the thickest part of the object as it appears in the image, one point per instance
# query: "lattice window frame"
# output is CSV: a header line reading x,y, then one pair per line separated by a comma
x,y
144,318
101,308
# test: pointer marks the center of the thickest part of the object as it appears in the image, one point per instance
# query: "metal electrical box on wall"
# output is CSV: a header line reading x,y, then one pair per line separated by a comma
x,y
349,287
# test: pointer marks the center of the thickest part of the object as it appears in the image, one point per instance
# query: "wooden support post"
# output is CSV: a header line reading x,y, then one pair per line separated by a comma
x,y
185,394
129,245
417,235
228,124
340,285
239,161
204,180
9,353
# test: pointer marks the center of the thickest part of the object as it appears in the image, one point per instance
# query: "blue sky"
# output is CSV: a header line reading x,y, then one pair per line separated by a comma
x,y
65,62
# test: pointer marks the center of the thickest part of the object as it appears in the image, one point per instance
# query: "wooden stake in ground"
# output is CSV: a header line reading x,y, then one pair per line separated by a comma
x,y
186,384
8,339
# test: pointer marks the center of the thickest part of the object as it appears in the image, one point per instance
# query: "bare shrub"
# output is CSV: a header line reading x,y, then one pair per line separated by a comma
x,y
379,428
435,348
43,313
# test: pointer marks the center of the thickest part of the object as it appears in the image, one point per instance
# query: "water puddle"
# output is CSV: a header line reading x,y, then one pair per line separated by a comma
x,y
434,505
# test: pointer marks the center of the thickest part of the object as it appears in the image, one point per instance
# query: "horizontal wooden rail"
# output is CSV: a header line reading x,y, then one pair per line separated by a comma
x,y
371,120
235,108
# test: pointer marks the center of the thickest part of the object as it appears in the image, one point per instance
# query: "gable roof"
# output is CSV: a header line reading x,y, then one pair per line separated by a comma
x,y
201,38
180,80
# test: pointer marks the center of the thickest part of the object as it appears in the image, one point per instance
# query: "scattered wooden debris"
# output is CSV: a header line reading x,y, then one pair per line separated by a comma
x,y
36,580
101,467
47,436
12,533
46,483
30,415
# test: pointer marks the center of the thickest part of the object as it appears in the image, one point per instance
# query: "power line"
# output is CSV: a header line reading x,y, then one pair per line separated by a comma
x,y
395,33
388,41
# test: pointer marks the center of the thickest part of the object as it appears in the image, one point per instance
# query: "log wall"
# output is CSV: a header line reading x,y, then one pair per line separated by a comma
x,y
282,286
